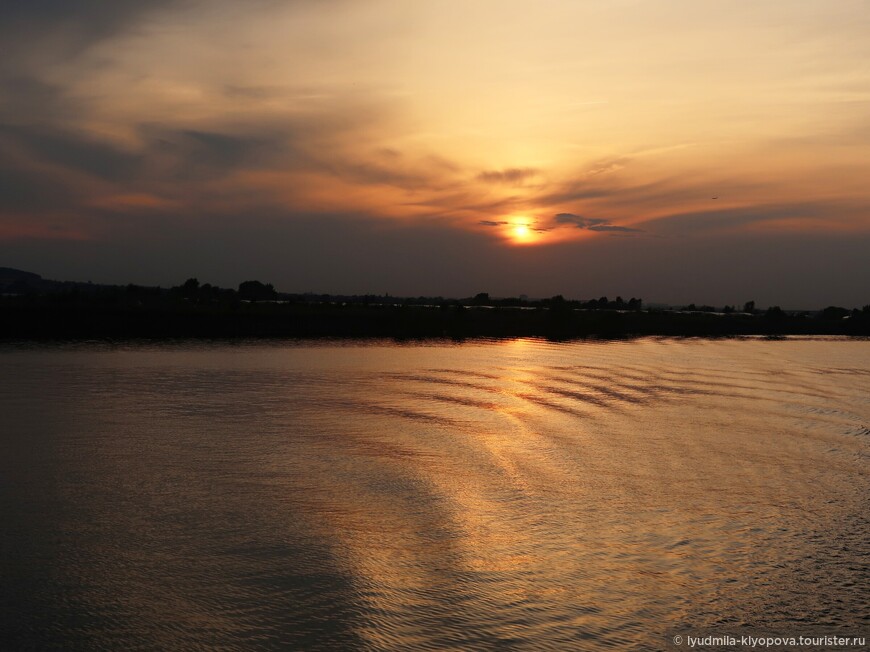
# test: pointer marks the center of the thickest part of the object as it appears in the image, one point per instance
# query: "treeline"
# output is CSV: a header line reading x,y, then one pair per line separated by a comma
x,y
47,309
558,301
193,292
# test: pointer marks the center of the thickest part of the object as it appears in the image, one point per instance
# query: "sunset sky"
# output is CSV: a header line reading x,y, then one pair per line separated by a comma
x,y
677,150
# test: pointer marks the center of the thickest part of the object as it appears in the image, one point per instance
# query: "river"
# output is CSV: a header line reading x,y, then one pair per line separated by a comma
x,y
511,495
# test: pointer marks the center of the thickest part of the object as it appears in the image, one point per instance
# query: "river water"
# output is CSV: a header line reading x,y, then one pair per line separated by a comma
x,y
510,495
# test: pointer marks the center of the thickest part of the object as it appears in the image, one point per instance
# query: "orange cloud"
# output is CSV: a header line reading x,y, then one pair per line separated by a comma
x,y
133,201
17,229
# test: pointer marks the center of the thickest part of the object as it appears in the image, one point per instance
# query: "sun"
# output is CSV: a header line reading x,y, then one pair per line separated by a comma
x,y
520,232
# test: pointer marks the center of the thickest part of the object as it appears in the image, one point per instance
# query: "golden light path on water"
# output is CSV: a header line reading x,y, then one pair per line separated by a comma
x,y
485,495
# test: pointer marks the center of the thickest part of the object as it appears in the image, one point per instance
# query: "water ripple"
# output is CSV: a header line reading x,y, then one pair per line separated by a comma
x,y
519,495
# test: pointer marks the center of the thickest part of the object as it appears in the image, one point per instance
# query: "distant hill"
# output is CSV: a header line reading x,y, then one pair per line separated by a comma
x,y
16,281
10,275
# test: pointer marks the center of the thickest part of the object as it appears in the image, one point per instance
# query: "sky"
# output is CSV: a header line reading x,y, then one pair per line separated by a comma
x,y
679,151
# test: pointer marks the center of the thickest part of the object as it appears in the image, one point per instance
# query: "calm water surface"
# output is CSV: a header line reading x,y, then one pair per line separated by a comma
x,y
493,495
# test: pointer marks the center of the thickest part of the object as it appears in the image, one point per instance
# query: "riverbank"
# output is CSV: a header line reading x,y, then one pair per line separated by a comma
x,y
40,320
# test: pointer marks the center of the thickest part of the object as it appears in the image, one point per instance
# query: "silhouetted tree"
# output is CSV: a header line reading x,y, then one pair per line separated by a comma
x,y
190,288
833,312
256,291
749,307
481,299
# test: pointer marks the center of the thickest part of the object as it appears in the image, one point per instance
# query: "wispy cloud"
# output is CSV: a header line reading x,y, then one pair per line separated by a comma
x,y
76,149
508,176
820,216
577,220
591,224
614,228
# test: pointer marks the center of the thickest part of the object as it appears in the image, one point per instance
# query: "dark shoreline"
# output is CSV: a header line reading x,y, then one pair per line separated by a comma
x,y
23,321
33,308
